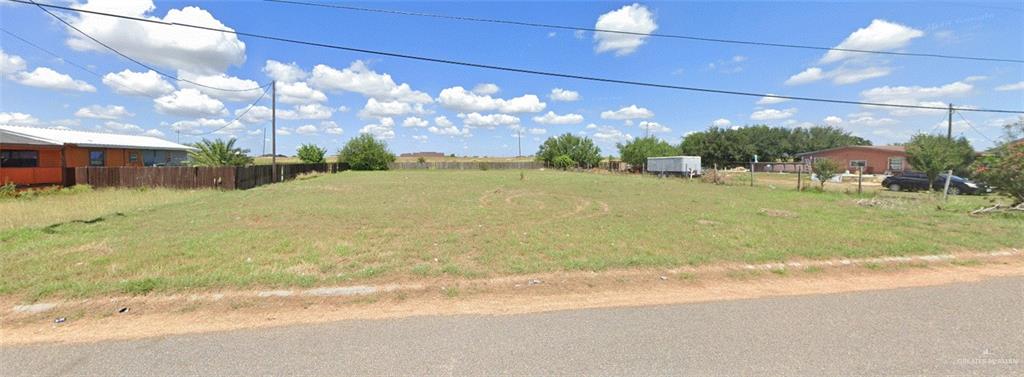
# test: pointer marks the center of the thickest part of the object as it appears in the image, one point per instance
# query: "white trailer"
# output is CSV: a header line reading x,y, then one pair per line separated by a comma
x,y
674,165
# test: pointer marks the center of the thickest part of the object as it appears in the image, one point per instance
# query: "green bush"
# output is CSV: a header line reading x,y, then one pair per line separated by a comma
x,y
8,190
564,162
825,169
1004,169
366,153
311,154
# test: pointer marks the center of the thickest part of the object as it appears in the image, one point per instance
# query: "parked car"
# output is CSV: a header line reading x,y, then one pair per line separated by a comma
x,y
915,181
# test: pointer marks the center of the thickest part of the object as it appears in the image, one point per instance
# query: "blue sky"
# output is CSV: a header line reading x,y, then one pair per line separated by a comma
x,y
328,96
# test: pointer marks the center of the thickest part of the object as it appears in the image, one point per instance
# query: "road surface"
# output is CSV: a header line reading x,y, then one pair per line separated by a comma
x,y
973,329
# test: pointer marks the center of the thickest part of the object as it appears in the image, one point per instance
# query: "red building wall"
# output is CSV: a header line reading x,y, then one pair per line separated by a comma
x,y
877,159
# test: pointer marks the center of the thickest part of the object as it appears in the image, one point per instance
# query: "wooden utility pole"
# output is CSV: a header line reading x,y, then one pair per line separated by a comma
x,y
273,130
949,136
949,126
519,138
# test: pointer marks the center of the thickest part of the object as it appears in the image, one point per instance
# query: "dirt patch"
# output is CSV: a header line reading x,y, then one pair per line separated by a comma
x,y
776,212
99,319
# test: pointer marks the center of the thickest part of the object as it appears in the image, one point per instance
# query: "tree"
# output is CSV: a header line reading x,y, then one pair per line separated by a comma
x,y
312,154
637,151
218,153
933,154
825,169
771,144
366,153
581,150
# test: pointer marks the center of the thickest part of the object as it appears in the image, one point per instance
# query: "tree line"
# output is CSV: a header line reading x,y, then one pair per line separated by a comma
x,y
716,145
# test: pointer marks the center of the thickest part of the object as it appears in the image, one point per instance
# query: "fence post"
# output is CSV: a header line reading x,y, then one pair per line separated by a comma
x,y
860,175
799,177
751,174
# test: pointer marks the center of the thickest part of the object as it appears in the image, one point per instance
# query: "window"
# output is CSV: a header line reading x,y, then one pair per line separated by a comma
x,y
858,164
19,159
895,164
133,156
97,158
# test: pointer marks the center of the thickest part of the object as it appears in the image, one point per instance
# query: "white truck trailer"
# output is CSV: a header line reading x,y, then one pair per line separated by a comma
x,y
675,165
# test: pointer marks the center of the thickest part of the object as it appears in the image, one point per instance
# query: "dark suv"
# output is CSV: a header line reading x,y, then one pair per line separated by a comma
x,y
914,181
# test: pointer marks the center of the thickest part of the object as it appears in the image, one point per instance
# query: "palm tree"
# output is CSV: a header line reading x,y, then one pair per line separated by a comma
x,y
219,153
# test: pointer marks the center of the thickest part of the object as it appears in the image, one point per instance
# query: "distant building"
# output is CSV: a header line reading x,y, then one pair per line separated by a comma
x,y
39,156
881,159
422,154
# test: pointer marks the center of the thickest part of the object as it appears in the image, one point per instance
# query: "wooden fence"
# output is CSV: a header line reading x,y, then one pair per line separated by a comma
x,y
225,177
462,165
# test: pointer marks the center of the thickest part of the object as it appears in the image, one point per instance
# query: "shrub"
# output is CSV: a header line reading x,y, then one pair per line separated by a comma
x,y
8,190
564,162
1004,169
825,169
219,153
366,153
421,160
581,150
934,154
311,154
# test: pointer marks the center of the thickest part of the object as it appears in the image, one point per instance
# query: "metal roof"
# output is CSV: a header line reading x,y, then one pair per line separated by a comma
x,y
60,136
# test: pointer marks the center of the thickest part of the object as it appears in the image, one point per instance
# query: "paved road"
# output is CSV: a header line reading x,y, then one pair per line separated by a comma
x,y
975,328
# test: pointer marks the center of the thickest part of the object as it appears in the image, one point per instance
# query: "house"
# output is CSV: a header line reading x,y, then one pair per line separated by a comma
x,y
38,156
881,159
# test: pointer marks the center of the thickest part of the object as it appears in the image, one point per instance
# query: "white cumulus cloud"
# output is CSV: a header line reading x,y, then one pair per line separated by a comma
x,y
111,112
486,89
628,113
459,99
1008,87
772,114
284,72
633,18
880,35
187,49
46,78
564,95
552,118
131,83
415,122
474,120
721,122
189,102
359,78
10,63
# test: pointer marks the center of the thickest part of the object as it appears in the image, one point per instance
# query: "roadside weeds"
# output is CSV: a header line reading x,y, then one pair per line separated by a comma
x,y
100,319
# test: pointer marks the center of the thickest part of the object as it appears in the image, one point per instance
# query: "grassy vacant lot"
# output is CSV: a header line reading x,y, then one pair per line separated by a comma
x,y
334,158
387,226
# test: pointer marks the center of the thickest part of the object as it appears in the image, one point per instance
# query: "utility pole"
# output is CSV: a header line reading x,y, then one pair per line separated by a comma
x,y
519,138
263,152
273,130
949,136
949,127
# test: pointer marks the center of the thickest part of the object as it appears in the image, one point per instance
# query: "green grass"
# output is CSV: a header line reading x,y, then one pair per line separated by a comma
x,y
388,226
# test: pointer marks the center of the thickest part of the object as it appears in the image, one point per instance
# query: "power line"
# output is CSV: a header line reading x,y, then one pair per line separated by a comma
x,y
971,126
172,77
519,70
72,63
79,66
237,118
673,36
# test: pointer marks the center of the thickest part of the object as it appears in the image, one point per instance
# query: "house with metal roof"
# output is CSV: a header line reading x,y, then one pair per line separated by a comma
x,y
31,156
